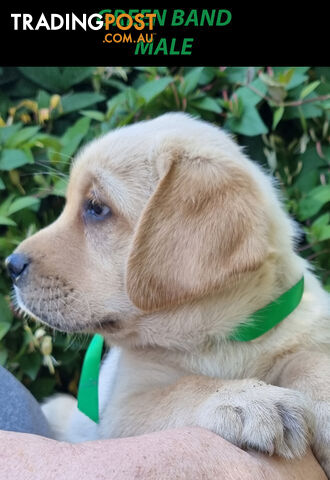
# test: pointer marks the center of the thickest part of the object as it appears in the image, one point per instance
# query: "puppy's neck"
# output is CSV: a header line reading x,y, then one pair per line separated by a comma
x,y
188,327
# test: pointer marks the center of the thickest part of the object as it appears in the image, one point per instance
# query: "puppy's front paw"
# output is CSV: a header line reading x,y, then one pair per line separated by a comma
x,y
252,414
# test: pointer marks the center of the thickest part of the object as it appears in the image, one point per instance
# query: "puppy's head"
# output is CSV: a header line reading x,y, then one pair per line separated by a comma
x,y
158,214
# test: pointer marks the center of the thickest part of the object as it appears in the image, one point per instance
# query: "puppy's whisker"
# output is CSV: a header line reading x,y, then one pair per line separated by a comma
x,y
53,174
69,300
32,304
59,313
81,339
68,158
53,310
70,339
41,297
80,299
61,320
52,171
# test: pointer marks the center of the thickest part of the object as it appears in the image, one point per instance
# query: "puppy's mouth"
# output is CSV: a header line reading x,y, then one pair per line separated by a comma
x,y
23,310
62,317
110,324
20,308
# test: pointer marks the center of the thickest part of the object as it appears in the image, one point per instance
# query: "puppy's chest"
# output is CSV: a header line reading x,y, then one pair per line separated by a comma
x,y
227,363
124,373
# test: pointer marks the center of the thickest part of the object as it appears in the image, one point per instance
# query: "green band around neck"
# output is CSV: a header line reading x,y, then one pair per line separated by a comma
x,y
269,316
88,392
256,325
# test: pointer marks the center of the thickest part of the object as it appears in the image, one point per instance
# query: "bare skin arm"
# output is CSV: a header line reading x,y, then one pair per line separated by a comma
x,y
184,453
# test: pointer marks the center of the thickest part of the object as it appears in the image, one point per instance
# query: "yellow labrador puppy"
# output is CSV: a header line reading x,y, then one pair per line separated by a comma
x,y
171,238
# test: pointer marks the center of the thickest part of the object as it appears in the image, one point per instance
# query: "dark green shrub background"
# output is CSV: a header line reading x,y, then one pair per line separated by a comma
x,y
281,115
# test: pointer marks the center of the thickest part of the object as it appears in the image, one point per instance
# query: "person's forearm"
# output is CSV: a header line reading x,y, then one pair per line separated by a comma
x,y
189,454
184,454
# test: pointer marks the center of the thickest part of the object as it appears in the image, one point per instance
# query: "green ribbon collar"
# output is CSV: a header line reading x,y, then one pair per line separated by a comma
x,y
269,316
256,325
88,392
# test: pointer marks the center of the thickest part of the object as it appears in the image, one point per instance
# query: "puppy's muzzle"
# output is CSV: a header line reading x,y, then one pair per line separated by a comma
x,y
17,266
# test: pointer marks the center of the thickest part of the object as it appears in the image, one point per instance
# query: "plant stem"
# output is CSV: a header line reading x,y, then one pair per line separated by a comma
x,y
294,103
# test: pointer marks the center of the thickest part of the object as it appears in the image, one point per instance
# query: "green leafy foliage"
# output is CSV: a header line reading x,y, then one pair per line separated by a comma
x,y
280,115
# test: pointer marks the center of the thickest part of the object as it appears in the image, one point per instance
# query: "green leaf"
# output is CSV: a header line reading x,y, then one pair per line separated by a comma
x,y
60,187
74,135
43,140
117,101
312,109
320,228
207,103
128,101
309,89
285,76
208,75
190,81
28,153
151,90
325,105
278,114
73,75
5,317
79,101
21,136
248,94
323,72
30,364
6,132
309,175
4,328
2,185
250,123
13,158
21,203
43,99
42,387
5,313
269,80
56,79
7,221
296,78
6,204
314,201
236,74
308,110
3,355
324,233
93,114
322,221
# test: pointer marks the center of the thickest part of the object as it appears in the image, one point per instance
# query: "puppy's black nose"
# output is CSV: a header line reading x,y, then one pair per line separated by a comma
x,y
16,264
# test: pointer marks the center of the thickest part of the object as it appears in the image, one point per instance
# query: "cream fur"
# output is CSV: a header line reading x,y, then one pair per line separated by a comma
x,y
198,240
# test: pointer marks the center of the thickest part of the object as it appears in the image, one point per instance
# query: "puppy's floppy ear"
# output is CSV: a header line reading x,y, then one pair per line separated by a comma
x,y
201,228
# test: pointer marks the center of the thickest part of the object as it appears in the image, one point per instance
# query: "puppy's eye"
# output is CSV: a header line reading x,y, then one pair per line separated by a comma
x,y
96,210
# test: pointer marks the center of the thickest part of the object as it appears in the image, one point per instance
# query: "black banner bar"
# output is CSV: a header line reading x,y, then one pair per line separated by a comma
x,y
228,35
